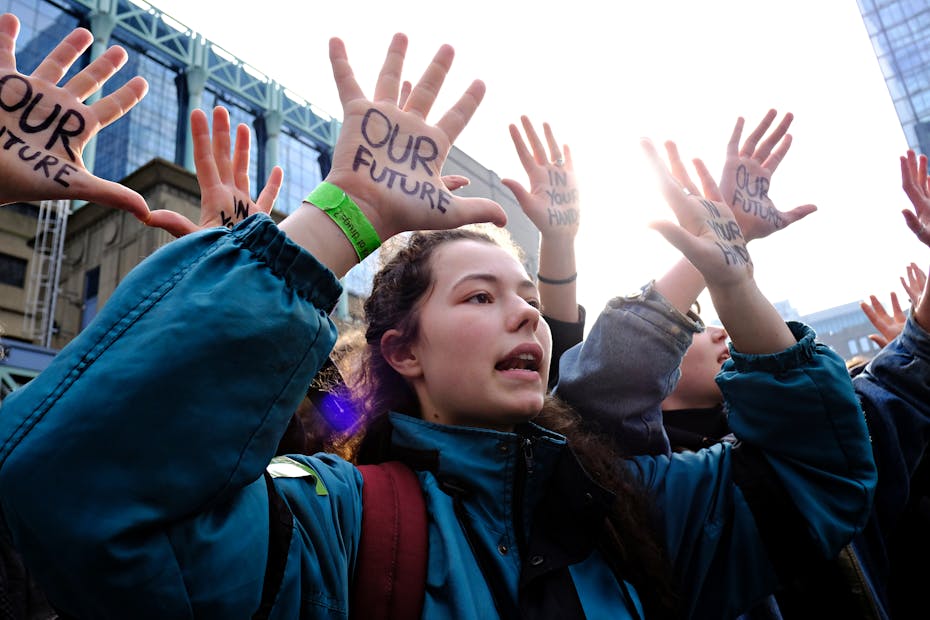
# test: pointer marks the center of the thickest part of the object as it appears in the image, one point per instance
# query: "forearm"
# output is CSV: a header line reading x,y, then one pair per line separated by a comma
x,y
752,322
197,362
557,262
315,232
681,285
798,406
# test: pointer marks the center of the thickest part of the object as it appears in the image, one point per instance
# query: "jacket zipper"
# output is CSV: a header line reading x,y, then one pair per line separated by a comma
x,y
524,471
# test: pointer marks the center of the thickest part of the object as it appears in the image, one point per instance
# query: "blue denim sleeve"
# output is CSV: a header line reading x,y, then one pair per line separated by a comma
x,y
894,390
619,375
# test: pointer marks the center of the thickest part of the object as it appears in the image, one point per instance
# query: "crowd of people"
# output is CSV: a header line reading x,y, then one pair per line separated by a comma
x,y
169,463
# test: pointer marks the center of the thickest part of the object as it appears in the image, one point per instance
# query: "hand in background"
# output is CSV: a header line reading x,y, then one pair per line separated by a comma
x,y
44,127
747,177
225,199
707,232
917,187
915,283
553,201
888,326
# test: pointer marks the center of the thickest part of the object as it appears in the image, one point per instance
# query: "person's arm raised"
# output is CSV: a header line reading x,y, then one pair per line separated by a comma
x,y
710,238
917,187
745,184
387,163
44,127
553,205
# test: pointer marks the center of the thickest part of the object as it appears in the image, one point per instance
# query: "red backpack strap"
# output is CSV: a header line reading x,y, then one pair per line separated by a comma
x,y
390,579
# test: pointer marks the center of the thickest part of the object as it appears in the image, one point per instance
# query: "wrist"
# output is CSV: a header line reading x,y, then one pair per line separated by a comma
x,y
366,198
354,223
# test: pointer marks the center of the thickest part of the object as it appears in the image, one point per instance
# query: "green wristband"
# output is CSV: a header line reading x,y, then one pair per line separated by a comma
x,y
341,209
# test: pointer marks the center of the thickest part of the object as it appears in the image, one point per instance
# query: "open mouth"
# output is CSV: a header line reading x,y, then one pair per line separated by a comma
x,y
520,361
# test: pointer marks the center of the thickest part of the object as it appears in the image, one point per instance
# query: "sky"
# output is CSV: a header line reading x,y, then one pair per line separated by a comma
x,y
606,74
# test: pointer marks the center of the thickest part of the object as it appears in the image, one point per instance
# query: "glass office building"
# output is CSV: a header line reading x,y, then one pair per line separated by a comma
x,y
184,71
900,34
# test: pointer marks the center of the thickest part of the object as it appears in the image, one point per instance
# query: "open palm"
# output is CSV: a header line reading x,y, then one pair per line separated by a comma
x,y
747,177
44,127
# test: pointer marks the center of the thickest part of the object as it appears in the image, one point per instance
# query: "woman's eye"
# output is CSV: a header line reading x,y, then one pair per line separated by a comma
x,y
480,298
535,303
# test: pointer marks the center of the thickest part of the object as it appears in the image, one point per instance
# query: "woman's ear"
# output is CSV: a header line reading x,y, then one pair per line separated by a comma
x,y
399,354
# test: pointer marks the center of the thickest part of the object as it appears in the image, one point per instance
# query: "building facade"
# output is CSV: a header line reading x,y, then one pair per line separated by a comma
x,y
900,35
60,263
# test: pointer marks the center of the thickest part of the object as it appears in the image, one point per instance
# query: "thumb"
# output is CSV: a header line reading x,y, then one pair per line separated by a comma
x,y
798,213
174,223
480,210
674,234
454,182
116,195
519,192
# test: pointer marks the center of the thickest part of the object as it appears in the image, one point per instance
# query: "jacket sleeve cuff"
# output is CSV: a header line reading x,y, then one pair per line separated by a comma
x,y
794,356
301,271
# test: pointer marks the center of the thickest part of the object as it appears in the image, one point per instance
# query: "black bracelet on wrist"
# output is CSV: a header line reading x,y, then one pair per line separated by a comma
x,y
567,280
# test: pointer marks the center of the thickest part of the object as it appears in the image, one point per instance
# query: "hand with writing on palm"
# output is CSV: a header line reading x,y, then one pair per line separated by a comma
x,y
707,232
747,176
389,159
44,127
553,202
225,199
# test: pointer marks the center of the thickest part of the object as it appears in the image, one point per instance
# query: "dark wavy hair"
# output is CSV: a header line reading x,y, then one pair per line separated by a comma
x,y
629,539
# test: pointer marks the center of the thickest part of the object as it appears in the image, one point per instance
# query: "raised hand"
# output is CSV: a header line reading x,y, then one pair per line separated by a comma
x,y
707,232
44,128
389,160
225,199
917,187
915,283
451,181
552,202
747,176
888,326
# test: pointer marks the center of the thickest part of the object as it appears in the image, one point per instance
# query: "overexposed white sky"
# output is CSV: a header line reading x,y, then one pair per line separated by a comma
x,y
603,75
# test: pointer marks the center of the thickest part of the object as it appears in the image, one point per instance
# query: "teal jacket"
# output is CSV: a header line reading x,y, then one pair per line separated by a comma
x,y
131,469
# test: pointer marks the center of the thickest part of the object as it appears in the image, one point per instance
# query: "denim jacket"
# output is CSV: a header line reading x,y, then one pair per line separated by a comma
x,y
618,377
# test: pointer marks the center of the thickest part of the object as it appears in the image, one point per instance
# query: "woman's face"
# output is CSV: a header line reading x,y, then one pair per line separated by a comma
x,y
699,367
482,354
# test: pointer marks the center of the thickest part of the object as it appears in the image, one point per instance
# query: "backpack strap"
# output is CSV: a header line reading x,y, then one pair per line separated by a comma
x,y
390,580
280,530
